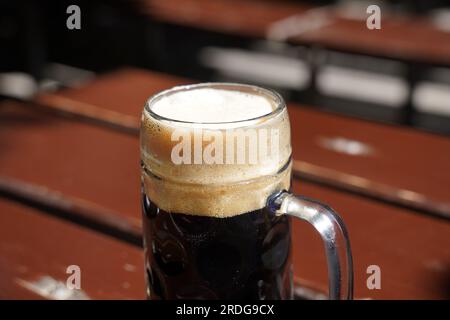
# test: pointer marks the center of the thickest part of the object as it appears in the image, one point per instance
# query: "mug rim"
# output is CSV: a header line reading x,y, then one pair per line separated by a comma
x,y
276,98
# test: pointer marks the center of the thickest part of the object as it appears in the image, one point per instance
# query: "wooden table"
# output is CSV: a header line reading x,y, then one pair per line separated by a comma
x,y
36,249
80,166
403,38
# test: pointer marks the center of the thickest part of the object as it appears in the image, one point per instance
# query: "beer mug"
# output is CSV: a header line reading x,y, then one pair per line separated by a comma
x,y
217,208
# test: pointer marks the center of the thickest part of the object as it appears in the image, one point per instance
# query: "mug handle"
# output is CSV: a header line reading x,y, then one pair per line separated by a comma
x,y
334,235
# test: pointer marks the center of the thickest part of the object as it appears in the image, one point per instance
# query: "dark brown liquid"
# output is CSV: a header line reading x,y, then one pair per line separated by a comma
x,y
194,257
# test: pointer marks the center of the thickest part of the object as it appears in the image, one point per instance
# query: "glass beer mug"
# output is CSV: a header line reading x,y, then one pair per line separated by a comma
x,y
217,207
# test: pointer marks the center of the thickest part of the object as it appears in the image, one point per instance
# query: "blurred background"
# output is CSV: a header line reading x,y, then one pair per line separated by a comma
x,y
318,53
369,111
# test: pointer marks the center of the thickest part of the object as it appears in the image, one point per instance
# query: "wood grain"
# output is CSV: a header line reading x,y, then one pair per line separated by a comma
x,y
36,249
412,251
100,168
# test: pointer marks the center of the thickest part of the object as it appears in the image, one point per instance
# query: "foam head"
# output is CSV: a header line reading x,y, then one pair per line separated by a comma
x,y
207,105
215,149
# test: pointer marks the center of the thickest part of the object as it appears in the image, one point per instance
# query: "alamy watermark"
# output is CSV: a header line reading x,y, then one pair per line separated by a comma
x,y
73,282
232,146
74,20
373,281
373,22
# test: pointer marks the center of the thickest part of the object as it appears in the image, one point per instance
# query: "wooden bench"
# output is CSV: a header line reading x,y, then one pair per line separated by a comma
x,y
36,249
403,38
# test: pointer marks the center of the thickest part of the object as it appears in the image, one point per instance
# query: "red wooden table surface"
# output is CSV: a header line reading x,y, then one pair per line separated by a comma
x,y
36,249
91,169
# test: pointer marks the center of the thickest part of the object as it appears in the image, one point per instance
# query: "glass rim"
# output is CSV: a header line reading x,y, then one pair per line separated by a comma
x,y
276,98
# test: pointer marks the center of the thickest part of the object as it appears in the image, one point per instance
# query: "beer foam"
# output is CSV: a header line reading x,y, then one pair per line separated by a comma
x,y
206,105
218,189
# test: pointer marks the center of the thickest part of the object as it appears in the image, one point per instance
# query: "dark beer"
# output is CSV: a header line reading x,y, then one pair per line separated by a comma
x,y
246,256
